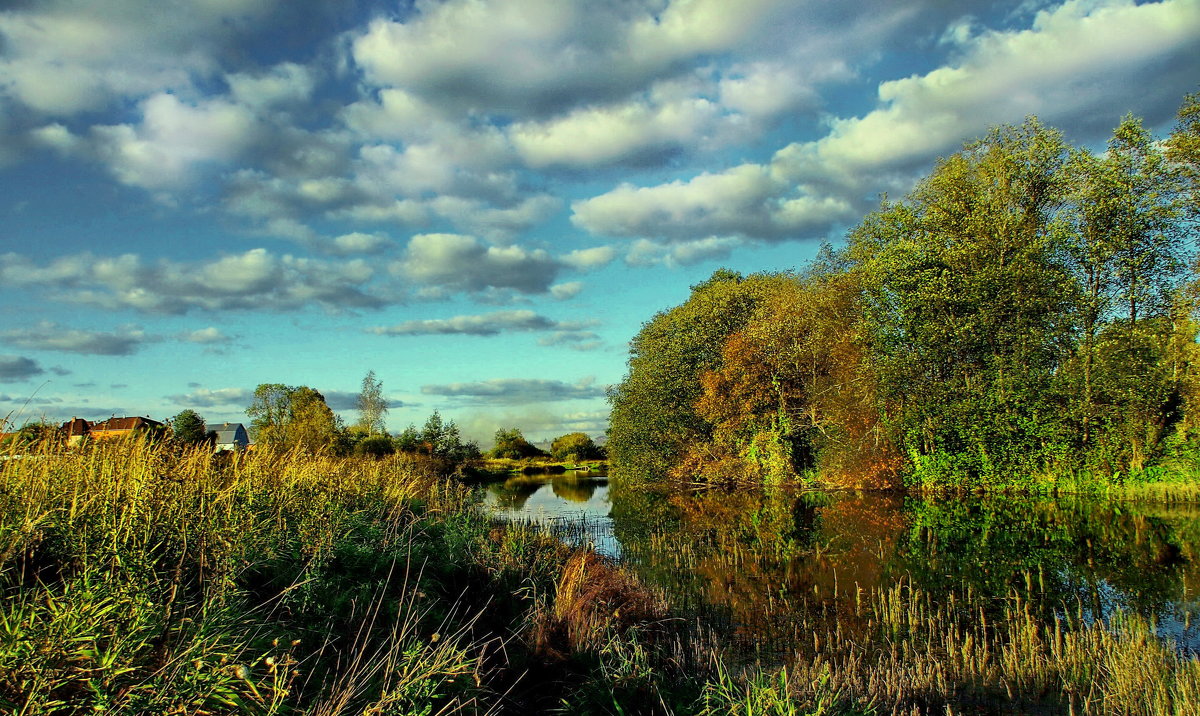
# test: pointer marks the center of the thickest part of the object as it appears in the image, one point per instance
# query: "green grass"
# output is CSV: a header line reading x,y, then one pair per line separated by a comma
x,y
138,578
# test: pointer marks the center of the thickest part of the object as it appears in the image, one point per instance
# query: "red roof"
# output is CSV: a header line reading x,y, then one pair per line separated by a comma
x,y
76,426
115,424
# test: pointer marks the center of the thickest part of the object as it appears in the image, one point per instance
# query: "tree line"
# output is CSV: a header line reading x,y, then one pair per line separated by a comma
x,y
1028,309
299,418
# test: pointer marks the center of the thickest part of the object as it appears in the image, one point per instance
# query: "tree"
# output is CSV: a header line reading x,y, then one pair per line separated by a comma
x,y
574,447
967,294
270,412
372,406
408,440
312,425
653,417
293,417
512,445
188,427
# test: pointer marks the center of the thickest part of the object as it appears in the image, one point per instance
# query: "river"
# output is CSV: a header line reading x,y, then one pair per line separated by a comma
x,y
755,564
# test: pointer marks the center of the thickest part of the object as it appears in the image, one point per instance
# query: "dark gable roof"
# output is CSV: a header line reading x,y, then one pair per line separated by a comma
x,y
76,426
227,432
113,424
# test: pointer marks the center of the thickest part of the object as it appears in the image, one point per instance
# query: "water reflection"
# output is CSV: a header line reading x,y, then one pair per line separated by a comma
x,y
756,564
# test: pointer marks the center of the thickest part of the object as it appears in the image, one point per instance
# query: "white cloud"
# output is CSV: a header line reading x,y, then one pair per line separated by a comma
x,y
172,139
636,132
585,259
62,57
253,280
499,223
749,201
541,56
644,252
564,291
360,243
1077,65
49,336
462,263
285,84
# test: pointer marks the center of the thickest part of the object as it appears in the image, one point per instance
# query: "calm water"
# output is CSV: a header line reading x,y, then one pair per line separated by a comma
x,y
744,559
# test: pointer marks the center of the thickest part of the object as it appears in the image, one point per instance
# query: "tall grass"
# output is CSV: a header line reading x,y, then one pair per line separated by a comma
x,y
140,578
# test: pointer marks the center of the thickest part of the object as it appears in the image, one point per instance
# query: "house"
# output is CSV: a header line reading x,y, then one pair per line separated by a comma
x,y
75,430
229,436
121,427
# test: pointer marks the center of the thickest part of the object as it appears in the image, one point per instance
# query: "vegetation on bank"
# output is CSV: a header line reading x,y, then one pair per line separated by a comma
x,y
1027,311
141,579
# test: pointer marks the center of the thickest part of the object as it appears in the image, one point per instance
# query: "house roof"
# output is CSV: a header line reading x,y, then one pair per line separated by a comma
x,y
113,424
227,432
76,426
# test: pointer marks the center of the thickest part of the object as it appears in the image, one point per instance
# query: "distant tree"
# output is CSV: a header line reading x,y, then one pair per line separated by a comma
x,y
408,440
432,433
574,447
294,416
512,445
270,412
188,427
312,425
372,406
33,434
375,446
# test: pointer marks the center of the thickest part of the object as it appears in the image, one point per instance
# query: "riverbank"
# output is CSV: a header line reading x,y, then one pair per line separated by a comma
x,y
138,579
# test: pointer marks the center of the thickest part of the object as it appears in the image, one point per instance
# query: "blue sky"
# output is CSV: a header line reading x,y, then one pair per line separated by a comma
x,y
481,201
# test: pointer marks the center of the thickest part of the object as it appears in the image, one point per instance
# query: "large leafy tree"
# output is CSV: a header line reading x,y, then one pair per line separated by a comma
x,y
653,417
967,293
293,417
269,412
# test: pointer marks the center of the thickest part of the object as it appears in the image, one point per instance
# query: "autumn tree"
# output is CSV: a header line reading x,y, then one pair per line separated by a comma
x,y
653,409
293,417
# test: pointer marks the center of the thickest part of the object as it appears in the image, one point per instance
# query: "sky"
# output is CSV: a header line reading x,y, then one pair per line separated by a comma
x,y
480,200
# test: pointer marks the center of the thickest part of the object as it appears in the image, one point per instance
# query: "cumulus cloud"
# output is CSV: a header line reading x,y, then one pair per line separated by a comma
x,y
1074,65
173,139
748,201
50,336
256,279
219,398
637,132
564,291
463,263
544,56
488,324
62,57
685,253
14,369
585,259
516,391
282,85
